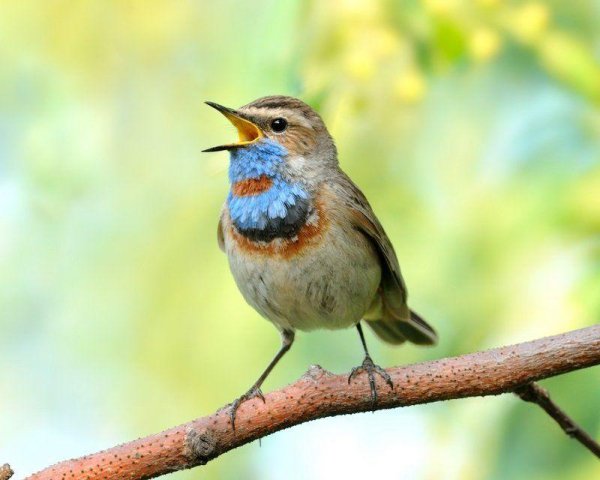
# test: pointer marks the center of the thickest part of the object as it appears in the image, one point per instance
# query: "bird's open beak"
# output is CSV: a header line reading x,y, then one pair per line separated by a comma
x,y
248,131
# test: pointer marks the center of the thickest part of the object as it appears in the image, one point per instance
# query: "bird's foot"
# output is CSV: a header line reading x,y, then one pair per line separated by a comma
x,y
254,392
371,369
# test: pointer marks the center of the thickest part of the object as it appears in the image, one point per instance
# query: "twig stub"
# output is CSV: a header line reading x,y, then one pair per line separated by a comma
x,y
6,472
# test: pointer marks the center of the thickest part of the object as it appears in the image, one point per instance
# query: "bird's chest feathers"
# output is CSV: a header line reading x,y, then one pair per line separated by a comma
x,y
263,204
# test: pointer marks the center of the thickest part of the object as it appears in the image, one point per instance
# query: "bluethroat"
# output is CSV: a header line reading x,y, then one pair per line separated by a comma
x,y
304,246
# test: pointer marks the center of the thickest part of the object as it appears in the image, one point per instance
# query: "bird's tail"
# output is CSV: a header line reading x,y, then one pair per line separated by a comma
x,y
395,331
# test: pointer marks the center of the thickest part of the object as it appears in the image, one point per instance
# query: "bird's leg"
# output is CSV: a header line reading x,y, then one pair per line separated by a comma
x,y
287,338
370,369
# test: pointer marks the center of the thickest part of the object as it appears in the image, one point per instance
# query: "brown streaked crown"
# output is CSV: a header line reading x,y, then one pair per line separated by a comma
x,y
274,102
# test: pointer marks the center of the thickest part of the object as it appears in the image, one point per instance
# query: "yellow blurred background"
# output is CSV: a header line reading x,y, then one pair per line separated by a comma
x,y
472,126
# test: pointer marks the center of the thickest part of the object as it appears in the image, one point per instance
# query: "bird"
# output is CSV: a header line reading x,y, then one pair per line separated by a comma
x,y
303,244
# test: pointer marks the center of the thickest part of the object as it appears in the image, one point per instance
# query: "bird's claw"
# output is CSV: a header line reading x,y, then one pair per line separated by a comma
x,y
254,392
371,369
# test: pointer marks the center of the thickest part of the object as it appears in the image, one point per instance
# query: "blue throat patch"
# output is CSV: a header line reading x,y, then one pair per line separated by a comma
x,y
277,212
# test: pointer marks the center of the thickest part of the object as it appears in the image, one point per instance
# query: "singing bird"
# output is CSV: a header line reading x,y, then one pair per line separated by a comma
x,y
303,244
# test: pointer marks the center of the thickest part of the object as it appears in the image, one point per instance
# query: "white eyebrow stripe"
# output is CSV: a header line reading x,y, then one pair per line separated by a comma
x,y
293,117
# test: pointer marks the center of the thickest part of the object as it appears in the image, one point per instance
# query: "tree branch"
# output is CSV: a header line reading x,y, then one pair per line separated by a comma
x,y
533,393
321,394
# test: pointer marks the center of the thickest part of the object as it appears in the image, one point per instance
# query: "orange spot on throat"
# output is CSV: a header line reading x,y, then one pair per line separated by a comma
x,y
251,186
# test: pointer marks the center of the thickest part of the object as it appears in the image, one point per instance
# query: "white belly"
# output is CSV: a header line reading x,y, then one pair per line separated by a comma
x,y
329,285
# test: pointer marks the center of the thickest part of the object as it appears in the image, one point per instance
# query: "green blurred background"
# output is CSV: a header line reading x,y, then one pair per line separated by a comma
x,y
472,126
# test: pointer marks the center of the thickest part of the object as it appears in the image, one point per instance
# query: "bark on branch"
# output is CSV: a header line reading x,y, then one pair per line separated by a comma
x,y
321,394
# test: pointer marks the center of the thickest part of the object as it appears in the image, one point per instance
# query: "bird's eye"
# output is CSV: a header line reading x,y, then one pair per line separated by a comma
x,y
279,125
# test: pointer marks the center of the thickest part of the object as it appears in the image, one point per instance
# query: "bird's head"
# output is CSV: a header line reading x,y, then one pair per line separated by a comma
x,y
280,134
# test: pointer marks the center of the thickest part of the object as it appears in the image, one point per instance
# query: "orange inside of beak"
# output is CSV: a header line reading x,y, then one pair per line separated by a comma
x,y
248,132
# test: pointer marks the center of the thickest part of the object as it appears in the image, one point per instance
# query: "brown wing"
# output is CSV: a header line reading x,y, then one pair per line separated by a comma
x,y
397,322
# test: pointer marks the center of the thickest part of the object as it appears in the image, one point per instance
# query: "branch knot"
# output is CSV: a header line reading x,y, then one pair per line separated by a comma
x,y
315,373
200,445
